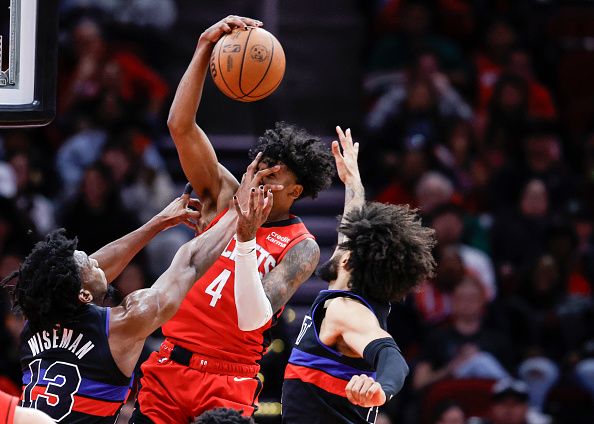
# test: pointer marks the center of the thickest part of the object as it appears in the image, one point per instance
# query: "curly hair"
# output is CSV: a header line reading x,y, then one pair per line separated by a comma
x,y
223,416
305,155
48,282
390,250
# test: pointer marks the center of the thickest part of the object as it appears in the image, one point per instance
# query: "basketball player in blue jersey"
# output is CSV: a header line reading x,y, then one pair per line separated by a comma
x,y
78,357
344,363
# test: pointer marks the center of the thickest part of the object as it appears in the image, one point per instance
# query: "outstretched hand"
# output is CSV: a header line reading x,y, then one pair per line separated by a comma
x,y
182,210
346,160
226,25
256,214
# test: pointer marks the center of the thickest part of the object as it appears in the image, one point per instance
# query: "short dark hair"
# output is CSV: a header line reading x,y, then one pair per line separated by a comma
x,y
48,282
223,416
390,250
304,154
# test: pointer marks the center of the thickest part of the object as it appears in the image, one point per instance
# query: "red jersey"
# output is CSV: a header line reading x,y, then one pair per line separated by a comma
x,y
206,322
8,405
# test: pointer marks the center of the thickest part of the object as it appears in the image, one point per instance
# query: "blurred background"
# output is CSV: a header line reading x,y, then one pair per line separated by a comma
x,y
480,113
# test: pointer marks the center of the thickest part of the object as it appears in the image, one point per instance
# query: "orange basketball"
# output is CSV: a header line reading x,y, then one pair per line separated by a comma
x,y
247,65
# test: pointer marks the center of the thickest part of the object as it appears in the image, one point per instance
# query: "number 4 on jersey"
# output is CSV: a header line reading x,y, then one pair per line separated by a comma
x,y
215,288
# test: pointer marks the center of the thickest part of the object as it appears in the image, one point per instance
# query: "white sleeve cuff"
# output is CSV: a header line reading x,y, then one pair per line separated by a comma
x,y
252,305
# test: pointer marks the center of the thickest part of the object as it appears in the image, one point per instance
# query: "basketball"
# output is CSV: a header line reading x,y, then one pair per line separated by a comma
x,y
247,65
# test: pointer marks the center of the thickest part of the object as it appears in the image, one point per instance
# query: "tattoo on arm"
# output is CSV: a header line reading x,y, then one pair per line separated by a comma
x,y
297,266
354,197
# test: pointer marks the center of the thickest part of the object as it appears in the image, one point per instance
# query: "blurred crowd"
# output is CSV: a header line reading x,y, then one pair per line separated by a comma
x,y
472,115
479,113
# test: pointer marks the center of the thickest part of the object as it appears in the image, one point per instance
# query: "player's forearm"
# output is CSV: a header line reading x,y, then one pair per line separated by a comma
x,y
191,261
354,197
251,303
115,256
182,115
207,247
197,156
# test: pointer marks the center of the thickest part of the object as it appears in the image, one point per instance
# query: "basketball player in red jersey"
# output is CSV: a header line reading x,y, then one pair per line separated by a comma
x,y
10,413
210,357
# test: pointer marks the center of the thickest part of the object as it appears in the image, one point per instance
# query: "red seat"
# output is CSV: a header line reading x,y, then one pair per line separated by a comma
x,y
473,396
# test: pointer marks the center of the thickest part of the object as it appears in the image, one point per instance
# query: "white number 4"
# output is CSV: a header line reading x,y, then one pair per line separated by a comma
x,y
216,287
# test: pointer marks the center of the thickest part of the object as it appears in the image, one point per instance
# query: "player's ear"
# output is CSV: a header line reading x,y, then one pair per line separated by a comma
x,y
296,191
85,296
344,260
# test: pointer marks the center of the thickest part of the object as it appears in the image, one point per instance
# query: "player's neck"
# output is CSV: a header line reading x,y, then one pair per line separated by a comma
x,y
278,216
339,284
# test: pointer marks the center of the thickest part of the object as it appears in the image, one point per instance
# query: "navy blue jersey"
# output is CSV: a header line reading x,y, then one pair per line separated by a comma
x,y
69,372
316,375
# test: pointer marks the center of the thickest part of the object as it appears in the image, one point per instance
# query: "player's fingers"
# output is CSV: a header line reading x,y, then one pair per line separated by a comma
x,y
188,189
237,207
366,387
261,196
269,203
356,148
349,389
226,27
190,214
373,390
235,22
251,169
336,151
339,132
252,200
348,139
342,138
273,187
264,173
367,383
356,388
251,22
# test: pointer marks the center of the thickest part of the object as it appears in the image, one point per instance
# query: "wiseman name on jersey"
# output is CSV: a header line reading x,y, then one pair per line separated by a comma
x,y
59,339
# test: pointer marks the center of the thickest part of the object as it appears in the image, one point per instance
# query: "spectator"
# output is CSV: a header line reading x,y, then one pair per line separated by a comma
x,y
465,348
448,222
507,118
433,299
104,71
541,159
448,413
491,60
406,170
38,208
394,51
519,235
540,101
97,216
509,405
547,323
394,94
433,190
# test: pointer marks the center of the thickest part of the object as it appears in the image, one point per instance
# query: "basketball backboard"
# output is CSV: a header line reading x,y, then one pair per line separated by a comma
x,y
28,54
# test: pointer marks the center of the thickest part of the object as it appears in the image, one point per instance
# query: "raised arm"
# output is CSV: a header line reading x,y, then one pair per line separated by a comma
x,y
348,172
115,256
213,183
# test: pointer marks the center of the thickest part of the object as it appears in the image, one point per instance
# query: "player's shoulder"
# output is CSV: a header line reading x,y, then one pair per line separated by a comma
x,y
349,312
306,249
